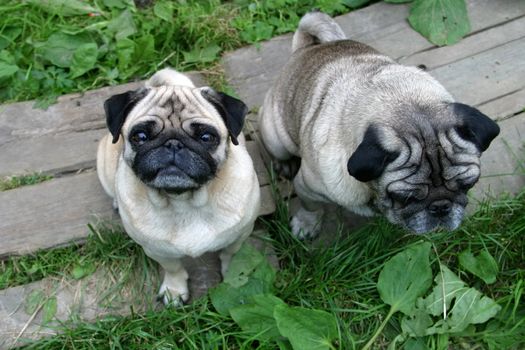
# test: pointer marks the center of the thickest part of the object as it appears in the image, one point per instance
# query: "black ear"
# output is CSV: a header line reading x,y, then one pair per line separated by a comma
x,y
117,108
232,111
370,159
475,126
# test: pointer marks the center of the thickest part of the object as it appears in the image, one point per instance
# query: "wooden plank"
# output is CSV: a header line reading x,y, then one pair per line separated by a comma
x,y
52,213
87,299
503,164
492,73
468,46
505,106
57,212
251,70
62,137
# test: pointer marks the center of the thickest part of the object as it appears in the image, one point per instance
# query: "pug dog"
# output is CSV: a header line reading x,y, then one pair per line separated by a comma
x,y
371,135
176,164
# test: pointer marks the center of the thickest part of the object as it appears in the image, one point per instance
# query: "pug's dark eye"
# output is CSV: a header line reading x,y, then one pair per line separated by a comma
x,y
139,137
403,197
207,137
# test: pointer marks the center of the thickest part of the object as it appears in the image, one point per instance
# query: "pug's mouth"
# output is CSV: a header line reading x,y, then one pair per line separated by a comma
x,y
422,222
173,180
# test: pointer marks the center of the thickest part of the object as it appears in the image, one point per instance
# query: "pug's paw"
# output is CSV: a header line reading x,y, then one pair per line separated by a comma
x,y
287,168
174,292
306,224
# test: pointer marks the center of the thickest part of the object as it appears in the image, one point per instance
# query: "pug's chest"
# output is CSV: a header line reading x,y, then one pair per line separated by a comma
x,y
173,234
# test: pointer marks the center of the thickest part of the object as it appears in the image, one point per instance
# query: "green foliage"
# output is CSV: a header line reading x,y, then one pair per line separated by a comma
x,y
443,22
12,182
37,300
245,294
306,329
52,47
405,277
339,278
483,265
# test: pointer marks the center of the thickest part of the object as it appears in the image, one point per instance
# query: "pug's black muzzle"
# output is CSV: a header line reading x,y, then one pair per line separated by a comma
x,y
174,162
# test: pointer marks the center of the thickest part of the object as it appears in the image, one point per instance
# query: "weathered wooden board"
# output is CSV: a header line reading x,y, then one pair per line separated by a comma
x,y
57,212
505,106
98,295
60,138
469,46
383,26
51,213
503,164
484,77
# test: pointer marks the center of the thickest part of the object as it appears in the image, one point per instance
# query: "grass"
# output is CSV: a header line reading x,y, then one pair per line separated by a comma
x,y
47,50
11,182
340,278
107,248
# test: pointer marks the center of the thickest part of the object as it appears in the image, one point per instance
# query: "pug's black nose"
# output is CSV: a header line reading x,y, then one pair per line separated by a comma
x,y
440,208
173,144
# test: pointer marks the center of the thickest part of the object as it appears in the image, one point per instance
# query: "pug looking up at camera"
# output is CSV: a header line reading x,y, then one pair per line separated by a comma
x,y
371,135
176,165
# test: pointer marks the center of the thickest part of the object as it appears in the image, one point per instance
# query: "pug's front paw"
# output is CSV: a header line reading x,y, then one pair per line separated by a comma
x,y
306,224
174,291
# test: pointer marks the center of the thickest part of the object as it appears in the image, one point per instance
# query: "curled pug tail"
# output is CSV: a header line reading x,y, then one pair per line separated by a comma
x,y
314,28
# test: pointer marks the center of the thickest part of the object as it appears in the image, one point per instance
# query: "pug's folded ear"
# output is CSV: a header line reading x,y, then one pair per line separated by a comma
x,y
370,159
233,111
117,108
475,126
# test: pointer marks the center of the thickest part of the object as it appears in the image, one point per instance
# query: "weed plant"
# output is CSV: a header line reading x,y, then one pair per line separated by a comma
x,y
52,47
339,278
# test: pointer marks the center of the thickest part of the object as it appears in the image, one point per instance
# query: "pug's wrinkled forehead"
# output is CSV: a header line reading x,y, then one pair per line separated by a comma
x,y
175,107
170,99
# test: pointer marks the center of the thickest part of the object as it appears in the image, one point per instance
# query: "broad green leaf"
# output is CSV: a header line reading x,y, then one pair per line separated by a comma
x,y
125,50
49,309
82,270
471,307
120,4
145,48
257,316
330,6
84,59
447,283
242,265
483,265
405,277
415,344
8,35
60,48
443,22
306,329
64,7
224,297
33,301
416,325
202,54
259,31
123,25
398,1
249,274
164,10
7,70
355,3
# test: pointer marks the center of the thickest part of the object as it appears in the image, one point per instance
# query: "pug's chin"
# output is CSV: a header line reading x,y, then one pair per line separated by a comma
x,y
173,181
423,222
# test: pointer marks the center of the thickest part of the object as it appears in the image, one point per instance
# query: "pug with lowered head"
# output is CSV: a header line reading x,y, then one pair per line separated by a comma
x,y
177,168
371,135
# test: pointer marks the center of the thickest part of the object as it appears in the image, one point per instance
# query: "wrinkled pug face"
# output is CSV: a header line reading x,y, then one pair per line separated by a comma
x,y
175,137
421,171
